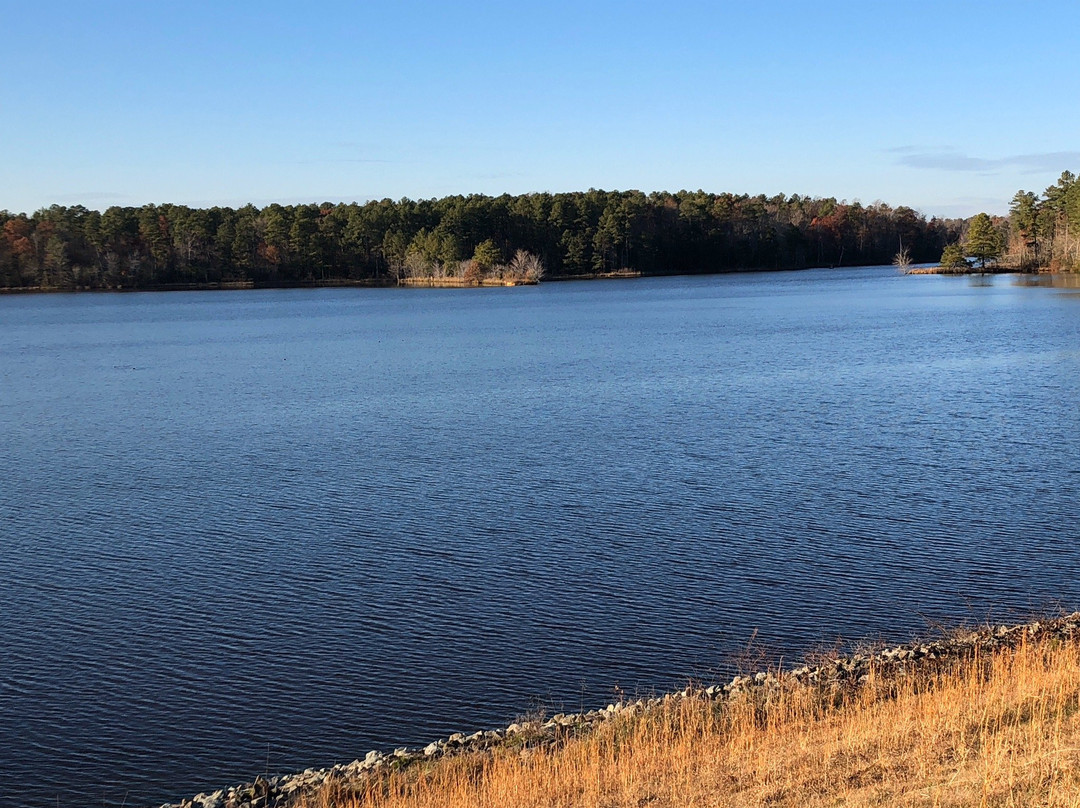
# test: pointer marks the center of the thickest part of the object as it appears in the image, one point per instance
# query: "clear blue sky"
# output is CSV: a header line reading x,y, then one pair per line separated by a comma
x,y
949,107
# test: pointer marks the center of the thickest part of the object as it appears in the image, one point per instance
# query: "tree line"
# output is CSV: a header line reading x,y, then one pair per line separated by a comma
x,y
1044,231
1041,233
564,235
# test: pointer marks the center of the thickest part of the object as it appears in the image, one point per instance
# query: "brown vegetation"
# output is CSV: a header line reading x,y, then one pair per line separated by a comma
x,y
420,270
1001,729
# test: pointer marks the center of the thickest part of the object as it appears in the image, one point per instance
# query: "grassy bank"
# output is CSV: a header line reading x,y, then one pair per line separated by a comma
x,y
999,728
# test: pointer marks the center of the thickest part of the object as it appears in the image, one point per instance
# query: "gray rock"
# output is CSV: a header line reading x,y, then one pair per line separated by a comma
x,y
900,662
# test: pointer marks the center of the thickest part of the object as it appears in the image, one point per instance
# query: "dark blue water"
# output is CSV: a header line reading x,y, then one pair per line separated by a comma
x,y
258,531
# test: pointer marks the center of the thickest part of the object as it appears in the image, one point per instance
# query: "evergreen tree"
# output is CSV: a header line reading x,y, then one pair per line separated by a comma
x,y
487,255
952,257
983,239
1024,219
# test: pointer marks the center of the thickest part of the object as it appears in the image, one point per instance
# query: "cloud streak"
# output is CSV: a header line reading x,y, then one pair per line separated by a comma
x,y
340,160
952,160
91,196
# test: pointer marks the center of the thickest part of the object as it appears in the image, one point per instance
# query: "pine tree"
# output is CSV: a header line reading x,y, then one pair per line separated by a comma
x,y
983,239
952,257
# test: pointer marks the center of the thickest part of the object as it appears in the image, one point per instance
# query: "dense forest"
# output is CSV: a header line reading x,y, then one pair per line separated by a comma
x,y
1040,234
470,237
1044,231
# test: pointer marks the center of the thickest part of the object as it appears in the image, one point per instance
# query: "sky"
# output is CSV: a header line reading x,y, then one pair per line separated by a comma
x,y
948,107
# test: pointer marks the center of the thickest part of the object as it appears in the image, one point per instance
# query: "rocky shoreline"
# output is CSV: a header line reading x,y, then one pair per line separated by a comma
x,y
835,674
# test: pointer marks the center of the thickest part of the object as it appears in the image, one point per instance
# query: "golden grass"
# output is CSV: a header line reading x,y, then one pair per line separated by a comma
x,y
1003,730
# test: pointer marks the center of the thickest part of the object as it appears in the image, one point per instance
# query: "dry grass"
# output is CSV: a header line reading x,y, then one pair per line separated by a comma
x,y
1003,730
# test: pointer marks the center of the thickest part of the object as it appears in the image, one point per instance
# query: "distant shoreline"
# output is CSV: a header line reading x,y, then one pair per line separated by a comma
x,y
461,283
405,283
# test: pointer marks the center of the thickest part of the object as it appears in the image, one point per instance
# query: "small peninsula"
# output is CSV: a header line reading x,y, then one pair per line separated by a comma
x,y
1041,234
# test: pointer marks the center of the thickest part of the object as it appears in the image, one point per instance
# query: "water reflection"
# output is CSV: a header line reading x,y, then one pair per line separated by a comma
x,y
1048,280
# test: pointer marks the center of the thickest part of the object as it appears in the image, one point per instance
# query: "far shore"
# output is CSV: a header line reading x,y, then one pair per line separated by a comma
x,y
461,283
424,282
455,282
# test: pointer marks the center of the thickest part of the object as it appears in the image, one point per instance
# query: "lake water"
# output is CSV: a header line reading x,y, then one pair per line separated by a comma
x,y
258,531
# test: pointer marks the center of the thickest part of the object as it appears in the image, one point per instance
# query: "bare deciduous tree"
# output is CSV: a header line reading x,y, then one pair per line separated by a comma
x,y
902,261
525,266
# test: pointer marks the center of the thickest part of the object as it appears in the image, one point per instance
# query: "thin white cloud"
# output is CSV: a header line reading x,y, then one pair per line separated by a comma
x,y
336,160
953,160
963,207
91,196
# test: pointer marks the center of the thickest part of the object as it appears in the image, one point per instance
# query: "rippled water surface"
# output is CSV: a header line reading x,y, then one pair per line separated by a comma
x,y
258,531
